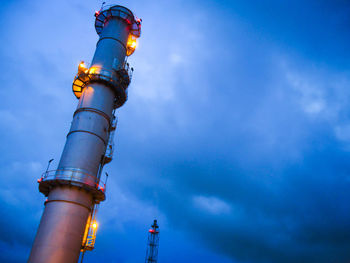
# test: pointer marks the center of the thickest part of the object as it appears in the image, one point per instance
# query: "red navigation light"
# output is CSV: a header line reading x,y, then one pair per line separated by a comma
x,y
39,180
97,13
99,187
152,231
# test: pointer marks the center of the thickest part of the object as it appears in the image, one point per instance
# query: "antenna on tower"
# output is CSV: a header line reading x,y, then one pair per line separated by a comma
x,y
153,243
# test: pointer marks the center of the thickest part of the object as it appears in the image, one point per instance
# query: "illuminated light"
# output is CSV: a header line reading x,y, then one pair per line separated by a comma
x,y
81,68
39,180
97,13
82,64
94,225
131,45
151,231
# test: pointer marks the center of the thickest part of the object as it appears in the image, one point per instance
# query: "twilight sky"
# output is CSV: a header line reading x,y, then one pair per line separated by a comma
x,y
236,134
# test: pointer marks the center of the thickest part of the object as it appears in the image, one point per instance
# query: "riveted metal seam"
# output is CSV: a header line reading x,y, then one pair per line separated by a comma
x,y
89,133
101,113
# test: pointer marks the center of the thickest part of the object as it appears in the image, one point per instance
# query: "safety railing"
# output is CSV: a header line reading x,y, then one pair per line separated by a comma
x,y
120,77
74,175
96,73
108,11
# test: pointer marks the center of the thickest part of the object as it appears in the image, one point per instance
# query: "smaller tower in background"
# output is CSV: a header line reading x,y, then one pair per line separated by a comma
x,y
153,243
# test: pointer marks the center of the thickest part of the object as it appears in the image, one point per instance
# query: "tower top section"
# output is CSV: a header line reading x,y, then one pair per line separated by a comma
x,y
154,229
110,11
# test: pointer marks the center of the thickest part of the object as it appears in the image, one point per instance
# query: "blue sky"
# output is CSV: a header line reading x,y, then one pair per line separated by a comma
x,y
236,134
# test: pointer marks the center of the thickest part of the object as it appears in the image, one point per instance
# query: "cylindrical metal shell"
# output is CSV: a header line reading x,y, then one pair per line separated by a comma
x,y
111,48
62,225
88,136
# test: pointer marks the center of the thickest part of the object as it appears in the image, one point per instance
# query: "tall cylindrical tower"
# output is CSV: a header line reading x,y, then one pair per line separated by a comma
x,y
76,187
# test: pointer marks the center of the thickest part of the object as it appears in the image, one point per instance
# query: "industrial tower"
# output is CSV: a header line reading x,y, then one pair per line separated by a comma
x,y
153,243
68,223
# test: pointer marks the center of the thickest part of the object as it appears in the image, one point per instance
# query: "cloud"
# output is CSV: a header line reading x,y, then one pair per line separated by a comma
x,y
252,170
212,205
343,133
234,134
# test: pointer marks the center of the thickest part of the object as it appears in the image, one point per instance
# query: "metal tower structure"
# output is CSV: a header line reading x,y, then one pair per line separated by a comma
x,y
68,224
153,243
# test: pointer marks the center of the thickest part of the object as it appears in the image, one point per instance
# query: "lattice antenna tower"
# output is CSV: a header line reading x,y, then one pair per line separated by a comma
x,y
153,243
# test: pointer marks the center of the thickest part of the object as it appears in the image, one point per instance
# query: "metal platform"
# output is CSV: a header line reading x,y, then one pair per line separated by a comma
x,y
118,80
109,11
73,177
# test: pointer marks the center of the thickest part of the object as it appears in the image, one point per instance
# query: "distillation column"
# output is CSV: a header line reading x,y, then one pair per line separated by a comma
x,y
75,187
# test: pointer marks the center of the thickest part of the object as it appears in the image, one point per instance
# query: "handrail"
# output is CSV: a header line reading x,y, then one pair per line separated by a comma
x,y
74,175
118,11
108,74
118,78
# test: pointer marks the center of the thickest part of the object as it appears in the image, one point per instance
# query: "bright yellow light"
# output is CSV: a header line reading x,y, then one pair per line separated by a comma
x,y
82,65
131,45
82,68
94,225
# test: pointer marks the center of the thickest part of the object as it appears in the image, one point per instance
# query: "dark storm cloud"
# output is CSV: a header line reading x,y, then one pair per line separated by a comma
x,y
235,132
314,29
293,219
252,163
